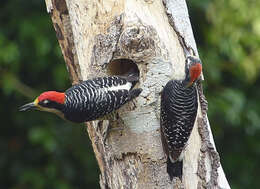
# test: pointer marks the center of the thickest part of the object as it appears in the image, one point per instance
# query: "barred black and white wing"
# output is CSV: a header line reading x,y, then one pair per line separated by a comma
x,y
178,113
95,98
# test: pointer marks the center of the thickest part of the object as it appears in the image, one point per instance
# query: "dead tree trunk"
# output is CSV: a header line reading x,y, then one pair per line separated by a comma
x,y
111,37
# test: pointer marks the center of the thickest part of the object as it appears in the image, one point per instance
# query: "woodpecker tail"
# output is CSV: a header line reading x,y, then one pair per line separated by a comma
x,y
134,93
174,169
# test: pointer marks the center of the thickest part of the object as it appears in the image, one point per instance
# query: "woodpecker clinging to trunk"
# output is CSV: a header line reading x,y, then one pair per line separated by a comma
x,y
90,100
179,106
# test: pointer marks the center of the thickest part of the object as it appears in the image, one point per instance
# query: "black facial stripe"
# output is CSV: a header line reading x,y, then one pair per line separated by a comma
x,y
51,104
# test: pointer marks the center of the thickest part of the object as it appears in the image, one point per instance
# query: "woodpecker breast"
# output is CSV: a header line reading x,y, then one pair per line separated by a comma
x,y
95,98
178,113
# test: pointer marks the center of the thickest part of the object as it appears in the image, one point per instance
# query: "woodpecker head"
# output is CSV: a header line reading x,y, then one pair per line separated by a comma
x,y
193,70
50,101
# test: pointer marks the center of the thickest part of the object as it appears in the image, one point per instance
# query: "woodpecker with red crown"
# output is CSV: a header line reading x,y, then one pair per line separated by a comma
x,y
179,104
90,100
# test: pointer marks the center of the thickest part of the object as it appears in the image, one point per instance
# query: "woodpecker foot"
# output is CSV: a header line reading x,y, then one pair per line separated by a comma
x,y
116,129
105,133
110,129
108,124
102,129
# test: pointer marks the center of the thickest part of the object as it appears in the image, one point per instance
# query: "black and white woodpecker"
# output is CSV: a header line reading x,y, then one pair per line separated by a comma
x,y
179,106
89,100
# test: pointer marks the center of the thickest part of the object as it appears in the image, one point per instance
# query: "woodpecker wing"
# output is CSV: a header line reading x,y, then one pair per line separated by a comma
x,y
93,99
178,113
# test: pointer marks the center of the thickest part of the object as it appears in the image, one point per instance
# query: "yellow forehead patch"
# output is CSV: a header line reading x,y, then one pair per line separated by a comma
x,y
36,102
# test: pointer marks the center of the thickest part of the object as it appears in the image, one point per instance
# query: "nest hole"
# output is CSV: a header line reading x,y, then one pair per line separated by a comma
x,y
123,67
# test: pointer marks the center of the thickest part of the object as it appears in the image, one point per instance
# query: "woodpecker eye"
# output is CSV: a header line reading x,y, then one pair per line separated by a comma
x,y
45,102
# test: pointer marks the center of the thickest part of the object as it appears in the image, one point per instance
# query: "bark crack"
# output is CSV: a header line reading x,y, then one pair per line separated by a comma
x,y
207,145
62,25
106,44
181,38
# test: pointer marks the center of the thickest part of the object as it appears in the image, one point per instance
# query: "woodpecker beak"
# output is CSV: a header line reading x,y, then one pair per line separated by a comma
x,y
27,107
32,105
189,84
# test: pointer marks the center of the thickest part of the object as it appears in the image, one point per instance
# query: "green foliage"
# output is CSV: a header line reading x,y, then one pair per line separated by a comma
x,y
43,151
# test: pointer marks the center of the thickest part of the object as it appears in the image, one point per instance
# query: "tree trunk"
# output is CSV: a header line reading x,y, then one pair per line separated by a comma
x,y
110,37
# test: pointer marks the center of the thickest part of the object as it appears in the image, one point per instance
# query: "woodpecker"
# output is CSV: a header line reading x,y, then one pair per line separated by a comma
x,y
89,100
179,106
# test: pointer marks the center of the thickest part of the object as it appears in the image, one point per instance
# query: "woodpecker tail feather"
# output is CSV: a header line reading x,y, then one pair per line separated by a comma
x,y
174,169
134,93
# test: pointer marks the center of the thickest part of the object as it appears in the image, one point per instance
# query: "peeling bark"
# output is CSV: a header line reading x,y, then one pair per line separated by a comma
x,y
152,34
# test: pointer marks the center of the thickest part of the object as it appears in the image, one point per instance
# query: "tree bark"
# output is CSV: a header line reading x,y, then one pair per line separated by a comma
x,y
100,38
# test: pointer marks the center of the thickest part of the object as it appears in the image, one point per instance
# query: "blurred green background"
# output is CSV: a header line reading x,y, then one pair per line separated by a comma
x,y
39,150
